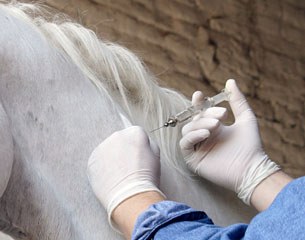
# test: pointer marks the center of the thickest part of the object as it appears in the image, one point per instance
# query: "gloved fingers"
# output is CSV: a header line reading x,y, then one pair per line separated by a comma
x,y
196,117
197,98
92,159
192,138
237,101
154,147
135,136
136,133
219,113
209,124
155,168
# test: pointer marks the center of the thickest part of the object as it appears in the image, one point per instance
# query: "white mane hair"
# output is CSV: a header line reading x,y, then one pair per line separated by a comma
x,y
116,69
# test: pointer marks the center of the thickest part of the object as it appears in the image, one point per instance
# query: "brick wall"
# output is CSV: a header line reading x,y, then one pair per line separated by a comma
x,y
198,44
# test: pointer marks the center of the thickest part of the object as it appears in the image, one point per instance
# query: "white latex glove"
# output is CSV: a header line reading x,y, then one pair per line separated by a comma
x,y
123,165
230,156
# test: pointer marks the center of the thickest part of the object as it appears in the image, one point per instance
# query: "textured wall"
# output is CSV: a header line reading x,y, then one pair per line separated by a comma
x,y
198,44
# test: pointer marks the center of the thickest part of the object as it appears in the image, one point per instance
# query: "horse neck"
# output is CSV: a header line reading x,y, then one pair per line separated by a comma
x,y
57,117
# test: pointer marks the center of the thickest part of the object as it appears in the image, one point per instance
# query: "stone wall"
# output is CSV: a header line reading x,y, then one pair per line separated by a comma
x,y
198,44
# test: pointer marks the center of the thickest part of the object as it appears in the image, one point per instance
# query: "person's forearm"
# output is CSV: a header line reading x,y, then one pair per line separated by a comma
x,y
126,214
268,189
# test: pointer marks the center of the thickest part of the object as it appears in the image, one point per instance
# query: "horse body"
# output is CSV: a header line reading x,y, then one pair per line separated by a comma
x,y
57,117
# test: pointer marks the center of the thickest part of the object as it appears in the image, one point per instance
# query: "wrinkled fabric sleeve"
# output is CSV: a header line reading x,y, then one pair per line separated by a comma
x,y
284,219
172,220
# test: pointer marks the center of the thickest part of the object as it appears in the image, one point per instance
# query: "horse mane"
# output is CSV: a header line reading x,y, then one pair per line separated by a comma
x,y
113,68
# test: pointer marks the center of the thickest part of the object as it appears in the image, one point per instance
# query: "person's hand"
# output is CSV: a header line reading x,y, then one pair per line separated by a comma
x,y
230,156
123,165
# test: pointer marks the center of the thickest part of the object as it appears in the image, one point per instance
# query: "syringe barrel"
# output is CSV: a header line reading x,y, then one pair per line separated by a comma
x,y
193,110
220,97
186,114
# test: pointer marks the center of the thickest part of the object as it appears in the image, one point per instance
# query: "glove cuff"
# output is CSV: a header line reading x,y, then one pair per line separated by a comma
x,y
129,190
254,176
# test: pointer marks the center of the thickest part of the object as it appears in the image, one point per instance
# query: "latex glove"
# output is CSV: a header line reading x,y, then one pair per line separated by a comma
x,y
230,156
123,165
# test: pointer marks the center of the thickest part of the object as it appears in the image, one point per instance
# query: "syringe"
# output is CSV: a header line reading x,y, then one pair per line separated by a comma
x,y
193,110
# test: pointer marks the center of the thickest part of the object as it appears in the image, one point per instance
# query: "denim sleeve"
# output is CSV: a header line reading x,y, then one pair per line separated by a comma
x,y
284,219
172,220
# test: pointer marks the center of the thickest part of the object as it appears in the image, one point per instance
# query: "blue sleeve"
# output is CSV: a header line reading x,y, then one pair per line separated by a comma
x,y
284,219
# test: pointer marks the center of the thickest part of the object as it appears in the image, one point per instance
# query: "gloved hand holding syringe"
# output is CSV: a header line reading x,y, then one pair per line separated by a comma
x,y
230,156
194,110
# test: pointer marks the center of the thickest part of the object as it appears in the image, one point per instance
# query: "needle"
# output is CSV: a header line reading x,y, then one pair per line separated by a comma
x,y
157,129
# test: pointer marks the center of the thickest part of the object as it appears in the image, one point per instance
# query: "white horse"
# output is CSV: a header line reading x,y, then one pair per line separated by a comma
x,y
63,91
